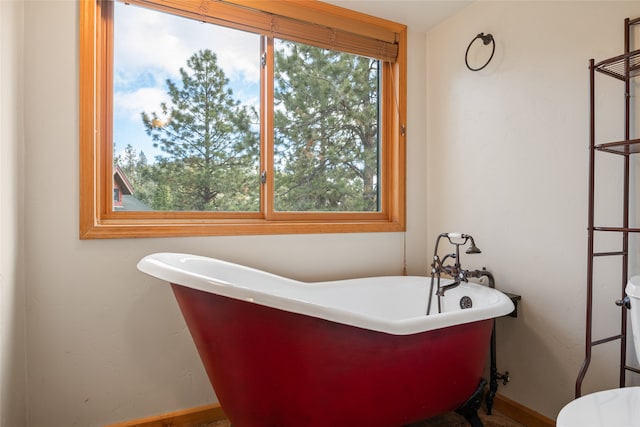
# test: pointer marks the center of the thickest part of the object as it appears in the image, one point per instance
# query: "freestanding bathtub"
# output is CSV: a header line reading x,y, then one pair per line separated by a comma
x,y
360,352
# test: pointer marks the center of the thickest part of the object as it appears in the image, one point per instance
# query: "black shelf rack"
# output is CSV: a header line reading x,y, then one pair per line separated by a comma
x,y
625,68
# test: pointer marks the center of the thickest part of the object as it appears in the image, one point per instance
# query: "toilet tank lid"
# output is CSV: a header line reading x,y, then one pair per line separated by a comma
x,y
633,287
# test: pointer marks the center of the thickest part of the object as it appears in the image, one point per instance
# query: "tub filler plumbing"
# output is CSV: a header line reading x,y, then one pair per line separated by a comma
x,y
455,270
459,275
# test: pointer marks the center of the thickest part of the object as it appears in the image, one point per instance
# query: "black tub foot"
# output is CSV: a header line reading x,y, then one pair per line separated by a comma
x,y
469,410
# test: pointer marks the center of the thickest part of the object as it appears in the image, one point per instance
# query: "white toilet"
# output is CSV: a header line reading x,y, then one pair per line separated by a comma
x,y
619,407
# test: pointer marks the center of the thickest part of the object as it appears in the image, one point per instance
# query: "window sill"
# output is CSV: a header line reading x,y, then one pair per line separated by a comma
x,y
118,229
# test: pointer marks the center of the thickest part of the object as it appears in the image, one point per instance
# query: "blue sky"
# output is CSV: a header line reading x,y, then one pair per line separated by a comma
x,y
150,47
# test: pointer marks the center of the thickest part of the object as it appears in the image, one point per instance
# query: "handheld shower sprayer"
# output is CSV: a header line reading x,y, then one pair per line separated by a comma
x,y
472,249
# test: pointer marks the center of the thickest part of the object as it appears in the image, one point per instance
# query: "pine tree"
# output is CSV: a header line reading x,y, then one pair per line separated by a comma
x,y
326,130
211,150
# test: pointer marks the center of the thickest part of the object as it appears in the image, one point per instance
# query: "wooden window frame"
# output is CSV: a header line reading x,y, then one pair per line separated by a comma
x,y
97,218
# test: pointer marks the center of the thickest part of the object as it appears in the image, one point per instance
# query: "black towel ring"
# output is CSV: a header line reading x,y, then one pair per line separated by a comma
x,y
486,39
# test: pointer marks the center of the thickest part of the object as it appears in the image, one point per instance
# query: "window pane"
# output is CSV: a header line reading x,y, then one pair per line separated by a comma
x,y
326,130
186,112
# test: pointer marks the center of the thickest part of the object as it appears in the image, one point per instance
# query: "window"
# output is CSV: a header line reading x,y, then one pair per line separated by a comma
x,y
283,117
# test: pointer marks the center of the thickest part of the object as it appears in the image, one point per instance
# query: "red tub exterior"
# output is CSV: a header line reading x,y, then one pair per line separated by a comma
x,y
272,368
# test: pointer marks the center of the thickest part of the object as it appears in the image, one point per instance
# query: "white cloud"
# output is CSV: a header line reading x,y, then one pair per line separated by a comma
x,y
149,40
129,105
150,47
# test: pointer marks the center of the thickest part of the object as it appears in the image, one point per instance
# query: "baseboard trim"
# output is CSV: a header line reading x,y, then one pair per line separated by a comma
x,y
212,413
520,413
186,418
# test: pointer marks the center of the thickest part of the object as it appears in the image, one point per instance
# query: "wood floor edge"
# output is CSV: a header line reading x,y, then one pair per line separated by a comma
x,y
211,413
184,418
520,413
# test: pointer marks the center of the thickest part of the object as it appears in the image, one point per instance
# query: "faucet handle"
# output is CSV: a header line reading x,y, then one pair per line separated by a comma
x,y
626,302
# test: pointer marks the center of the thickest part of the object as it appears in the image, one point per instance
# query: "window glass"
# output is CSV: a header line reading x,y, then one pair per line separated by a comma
x,y
186,99
326,129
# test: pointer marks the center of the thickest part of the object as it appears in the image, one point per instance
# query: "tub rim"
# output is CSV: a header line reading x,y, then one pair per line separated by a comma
x,y
169,267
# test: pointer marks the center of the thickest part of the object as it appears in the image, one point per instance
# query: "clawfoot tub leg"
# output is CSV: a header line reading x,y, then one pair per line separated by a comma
x,y
469,410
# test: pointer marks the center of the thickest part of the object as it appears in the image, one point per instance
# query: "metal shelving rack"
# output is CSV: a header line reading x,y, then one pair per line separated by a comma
x,y
623,67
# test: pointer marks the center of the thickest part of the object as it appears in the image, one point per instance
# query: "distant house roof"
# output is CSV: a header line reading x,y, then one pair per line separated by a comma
x,y
129,202
122,181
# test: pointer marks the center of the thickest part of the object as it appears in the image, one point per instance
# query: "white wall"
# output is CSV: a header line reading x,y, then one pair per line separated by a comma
x,y
508,163
106,343
12,289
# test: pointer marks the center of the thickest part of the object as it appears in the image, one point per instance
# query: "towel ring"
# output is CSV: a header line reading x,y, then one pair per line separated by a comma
x,y
486,39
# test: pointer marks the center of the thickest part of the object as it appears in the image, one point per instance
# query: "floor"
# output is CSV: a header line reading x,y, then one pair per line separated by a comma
x,y
454,420
447,420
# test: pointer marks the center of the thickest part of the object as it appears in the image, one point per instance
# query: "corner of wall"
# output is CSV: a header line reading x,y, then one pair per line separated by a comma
x,y
13,400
